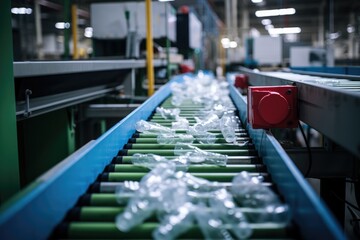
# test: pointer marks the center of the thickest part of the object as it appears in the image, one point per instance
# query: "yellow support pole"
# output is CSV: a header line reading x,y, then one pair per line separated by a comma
x,y
74,28
149,49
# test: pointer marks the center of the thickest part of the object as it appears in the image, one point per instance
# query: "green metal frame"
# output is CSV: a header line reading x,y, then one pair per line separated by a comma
x,y
9,166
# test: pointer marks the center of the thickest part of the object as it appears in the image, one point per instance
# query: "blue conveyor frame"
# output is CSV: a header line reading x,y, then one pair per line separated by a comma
x,y
39,209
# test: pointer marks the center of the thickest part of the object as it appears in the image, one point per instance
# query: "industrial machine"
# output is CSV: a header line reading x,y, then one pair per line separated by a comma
x,y
76,198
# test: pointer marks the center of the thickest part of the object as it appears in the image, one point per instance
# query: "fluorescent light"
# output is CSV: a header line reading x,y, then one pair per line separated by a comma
x,y
88,32
267,27
62,25
350,29
21,10
275,12
166,0
273,31
266,21
257,1
225,41
233,44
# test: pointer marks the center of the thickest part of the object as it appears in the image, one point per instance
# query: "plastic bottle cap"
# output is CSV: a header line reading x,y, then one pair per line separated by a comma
x,y
273,108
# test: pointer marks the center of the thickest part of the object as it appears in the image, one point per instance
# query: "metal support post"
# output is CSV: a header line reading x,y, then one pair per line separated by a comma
x,y
74,29
149,49
38,29
9,165
167,42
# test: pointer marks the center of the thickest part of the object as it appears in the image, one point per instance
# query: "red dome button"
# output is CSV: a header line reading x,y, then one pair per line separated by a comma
x,y
273,108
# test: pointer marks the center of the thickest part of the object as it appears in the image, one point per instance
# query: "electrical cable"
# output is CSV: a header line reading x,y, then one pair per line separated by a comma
x,y
345,201
309,151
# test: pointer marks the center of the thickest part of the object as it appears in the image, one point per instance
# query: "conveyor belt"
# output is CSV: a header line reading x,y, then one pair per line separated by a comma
x,y
77,197
94,214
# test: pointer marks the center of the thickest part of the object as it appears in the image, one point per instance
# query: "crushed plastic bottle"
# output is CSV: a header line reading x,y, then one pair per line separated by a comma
x,y
175,223
168,113
210,224
196,155
228,124
125,191
225,206
250,192
210,123
146,199
202,137
147,160
149,127
180,123
151,161
166,138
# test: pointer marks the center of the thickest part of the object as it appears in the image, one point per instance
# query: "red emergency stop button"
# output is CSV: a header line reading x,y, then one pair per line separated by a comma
x,y
272,107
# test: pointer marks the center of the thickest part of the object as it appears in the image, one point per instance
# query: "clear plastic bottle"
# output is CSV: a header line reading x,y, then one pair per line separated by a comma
x,y
202,137
250,192
166,138
223,203
210,224
196,155
148,127
146,200
125,190
210,123
180,123
168,113
147,160
228,125
175,223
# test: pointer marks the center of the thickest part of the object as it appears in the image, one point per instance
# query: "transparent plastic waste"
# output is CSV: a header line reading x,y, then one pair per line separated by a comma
x,y
250,192
223,203
149,127
151,161
228,125
211,122
175,223
173,194
210,224
202,137
196,155
168,113
126,190
166,138
146,200
180,123
147,160
277,213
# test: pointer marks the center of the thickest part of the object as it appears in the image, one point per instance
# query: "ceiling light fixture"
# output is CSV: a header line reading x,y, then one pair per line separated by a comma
x,y
88,32
273,31
233,44
266,21
275,12
225,41
62,25
21,10
257,1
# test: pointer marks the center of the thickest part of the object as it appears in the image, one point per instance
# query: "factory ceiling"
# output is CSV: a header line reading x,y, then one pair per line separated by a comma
x,y
338,17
